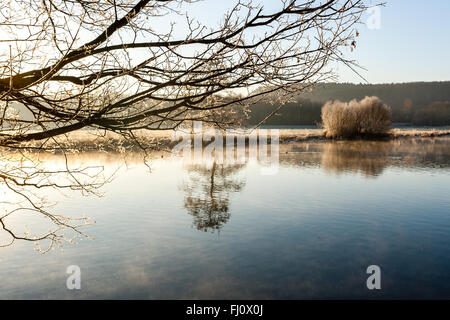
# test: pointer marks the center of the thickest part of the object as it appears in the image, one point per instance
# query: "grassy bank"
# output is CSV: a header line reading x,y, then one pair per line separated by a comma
x,y
319,134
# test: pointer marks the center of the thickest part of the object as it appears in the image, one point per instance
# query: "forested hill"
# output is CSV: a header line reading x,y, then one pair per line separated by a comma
x,y
425,103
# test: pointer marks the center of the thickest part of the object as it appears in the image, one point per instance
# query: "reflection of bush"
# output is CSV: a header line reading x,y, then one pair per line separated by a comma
x,y
369,116
370,158
207,194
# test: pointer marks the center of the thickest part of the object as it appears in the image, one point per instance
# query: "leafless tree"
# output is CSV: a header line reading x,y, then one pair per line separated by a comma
x,y
124,65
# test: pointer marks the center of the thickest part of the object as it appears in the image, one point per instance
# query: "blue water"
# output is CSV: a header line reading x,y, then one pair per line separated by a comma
x,y
214,231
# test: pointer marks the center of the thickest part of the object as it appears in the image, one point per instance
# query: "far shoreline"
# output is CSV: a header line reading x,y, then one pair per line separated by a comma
x,y
393,134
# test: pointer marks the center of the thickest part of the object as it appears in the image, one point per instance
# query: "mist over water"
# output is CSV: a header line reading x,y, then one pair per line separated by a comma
x,y
218,231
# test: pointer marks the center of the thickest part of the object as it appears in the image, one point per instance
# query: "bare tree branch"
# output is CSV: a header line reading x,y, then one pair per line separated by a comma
x,y
126,65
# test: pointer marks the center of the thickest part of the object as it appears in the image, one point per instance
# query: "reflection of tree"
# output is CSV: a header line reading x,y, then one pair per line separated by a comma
x,y
207,194
25,181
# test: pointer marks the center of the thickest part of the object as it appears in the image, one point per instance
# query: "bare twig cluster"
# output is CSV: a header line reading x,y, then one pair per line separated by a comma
x,y
125,65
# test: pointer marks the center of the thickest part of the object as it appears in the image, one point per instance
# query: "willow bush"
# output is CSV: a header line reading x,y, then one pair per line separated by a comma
x,y
367,117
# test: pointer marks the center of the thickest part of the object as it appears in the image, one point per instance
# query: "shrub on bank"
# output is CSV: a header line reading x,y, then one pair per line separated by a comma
x,y
369,116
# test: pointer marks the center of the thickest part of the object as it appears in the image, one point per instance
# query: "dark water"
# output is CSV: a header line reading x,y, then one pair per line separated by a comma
x,y
218,231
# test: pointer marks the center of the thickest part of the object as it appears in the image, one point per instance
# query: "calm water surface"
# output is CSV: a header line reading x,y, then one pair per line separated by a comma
x,y
215,231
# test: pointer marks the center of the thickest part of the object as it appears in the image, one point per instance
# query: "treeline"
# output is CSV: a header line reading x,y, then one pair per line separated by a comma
x,y
302,112
420,103
436,114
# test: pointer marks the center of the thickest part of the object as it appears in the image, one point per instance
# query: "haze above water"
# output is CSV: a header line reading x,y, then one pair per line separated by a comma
x,y
226,231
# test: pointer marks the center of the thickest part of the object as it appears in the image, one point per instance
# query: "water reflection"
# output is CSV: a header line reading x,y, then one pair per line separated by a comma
x,y
369,158
301,233
28,182
207,193
31,183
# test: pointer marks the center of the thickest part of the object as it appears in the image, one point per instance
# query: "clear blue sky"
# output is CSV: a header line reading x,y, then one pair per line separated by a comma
x,y
413,43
